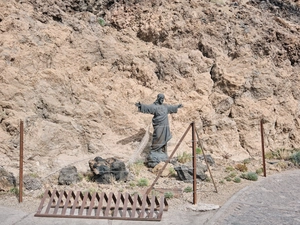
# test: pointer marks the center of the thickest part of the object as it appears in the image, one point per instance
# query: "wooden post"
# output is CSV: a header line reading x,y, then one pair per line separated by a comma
x,y
21,162
263,147
194,164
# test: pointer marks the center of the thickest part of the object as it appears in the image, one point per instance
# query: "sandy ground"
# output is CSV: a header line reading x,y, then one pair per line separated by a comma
x,y
222,172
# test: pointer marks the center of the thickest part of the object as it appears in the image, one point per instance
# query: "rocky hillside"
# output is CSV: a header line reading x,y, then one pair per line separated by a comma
x,y
73,69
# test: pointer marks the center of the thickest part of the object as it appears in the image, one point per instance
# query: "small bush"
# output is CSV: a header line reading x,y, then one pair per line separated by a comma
x,y
232,174
259,171
172,171
80,176
34,175
101,21
188,189
143,182
269,155
281,154
221,181
247,161
228,179
237,180
295,158
14,191
136,167
241,167
155,193
89,176
207,179
169,195
132,184
250,176
185,157
229,168
198,151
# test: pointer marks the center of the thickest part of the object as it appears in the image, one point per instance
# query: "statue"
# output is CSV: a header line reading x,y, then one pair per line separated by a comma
x,y
160,122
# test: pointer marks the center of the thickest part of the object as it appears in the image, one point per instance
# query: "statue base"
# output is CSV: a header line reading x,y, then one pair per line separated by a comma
x,y
156,157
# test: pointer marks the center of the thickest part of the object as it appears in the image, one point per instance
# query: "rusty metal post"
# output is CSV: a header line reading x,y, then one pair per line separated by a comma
x,y
204,156
263,146
194,164
168,160
21,162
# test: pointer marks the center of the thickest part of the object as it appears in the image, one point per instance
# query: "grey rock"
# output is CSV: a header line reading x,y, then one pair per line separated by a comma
x,y
31,183
68,175
108,170
7,180
183,173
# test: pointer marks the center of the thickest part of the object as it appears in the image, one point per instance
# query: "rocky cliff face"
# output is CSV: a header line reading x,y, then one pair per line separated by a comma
x,y
73,69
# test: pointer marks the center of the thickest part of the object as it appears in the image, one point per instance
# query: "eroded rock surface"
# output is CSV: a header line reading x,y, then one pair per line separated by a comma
x,y
74,79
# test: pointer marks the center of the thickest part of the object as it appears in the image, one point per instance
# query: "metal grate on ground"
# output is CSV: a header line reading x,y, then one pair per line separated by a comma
x,y
62,204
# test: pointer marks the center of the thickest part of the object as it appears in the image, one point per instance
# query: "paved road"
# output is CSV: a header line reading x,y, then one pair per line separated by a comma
x,y
274,200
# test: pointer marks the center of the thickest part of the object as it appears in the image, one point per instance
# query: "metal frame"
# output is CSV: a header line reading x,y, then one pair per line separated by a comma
x,y
194,133
62,204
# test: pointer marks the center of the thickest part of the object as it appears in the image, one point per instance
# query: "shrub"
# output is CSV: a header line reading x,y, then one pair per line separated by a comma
x,y
89,176
232,175
295,158
185,157
198,151
269,155
227,179
229,168
241,167
188,189
250,176
221,182
282,153
80,176
246,161
169,195
136,167
14,191
259,171
132,184
207,179
101,21
143,182
237,180
172,171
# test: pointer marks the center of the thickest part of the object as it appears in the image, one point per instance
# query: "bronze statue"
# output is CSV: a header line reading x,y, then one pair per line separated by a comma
x,y
161,133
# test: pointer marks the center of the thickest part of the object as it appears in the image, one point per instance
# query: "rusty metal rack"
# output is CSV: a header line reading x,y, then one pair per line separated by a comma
x,y
62,204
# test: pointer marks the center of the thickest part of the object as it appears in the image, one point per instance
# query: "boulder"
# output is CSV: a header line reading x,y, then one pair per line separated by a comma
x,y
68,175
32,183
7,180
185,172
108,170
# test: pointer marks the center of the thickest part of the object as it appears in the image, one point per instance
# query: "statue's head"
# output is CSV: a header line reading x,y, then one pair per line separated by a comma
x,y
160,99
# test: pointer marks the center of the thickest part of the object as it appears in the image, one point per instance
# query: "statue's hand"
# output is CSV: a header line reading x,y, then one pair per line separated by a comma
x,y
138,104
180,106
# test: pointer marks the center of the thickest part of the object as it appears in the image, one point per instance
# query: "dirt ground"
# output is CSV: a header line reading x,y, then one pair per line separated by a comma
x,y
224,178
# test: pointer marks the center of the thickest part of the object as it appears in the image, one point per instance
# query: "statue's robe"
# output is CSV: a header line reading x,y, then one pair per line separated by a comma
x,y
161,133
